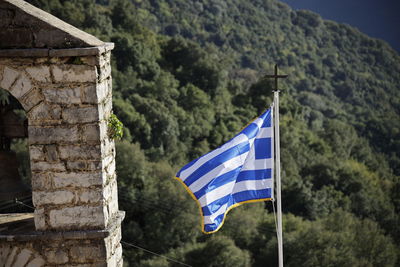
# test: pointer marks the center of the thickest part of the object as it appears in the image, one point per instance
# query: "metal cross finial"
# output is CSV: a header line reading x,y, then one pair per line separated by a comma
x,y
276,77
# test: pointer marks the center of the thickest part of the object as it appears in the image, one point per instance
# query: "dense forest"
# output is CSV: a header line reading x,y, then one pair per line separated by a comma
x,y
188,75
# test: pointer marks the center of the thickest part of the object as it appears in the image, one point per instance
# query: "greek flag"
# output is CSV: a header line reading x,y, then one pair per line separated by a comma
x,y
238,172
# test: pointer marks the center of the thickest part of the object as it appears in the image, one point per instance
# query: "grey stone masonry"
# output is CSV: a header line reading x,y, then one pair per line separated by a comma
x,y
69,146
87,248
62,78
25,26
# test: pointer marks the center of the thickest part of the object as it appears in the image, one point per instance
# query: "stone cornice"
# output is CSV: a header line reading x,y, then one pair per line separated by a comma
x,y
48,52
65,235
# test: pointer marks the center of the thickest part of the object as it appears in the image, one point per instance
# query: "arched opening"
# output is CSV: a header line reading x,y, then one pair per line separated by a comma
x,y
15,174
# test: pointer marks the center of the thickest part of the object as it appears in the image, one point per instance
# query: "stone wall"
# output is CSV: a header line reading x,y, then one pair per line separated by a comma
x,y
12,254
68,100
62,77
25,26
84,249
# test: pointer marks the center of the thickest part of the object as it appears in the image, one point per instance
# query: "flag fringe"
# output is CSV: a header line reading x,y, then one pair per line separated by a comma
x,y
223,219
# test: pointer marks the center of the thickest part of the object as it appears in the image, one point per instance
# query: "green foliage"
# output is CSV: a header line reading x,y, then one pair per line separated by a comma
x,y
4,97
218,251
339,239
187,76
353,242
115,127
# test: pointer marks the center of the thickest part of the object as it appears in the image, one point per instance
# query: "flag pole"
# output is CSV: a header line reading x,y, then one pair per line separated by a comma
x,y
278,179
278,165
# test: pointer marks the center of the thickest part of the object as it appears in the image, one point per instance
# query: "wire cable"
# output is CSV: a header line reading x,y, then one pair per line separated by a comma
x,y
154,253
8,202
23,204
149,205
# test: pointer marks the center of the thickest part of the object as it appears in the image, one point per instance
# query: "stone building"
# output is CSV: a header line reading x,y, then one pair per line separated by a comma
x,y
62,78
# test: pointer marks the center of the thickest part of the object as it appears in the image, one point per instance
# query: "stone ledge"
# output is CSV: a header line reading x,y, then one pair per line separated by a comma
x,y
67,235
45,52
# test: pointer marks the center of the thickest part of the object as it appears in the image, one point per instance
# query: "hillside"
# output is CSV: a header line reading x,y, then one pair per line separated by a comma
x,y
188,76
333,68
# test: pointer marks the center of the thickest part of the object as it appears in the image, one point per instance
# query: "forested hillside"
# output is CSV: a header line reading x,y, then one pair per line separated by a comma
x,y
188,75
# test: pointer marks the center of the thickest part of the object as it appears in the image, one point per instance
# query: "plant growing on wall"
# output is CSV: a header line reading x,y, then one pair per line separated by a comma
x,y
115,128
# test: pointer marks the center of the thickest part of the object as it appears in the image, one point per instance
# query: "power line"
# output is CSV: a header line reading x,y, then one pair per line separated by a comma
x,y
154,253
14,203
145,204
149,205
23,204
7,202
17,202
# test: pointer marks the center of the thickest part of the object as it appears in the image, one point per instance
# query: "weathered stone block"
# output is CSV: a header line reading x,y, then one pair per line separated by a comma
x,y
40,73
107,147
78,217
116,258
22,258
84,165
109,80
41,198
63,96
44,112
112,260
113,242
103,59
105,72
9,77
77,165
4,250
77,179
40,181
111,168
11,256
89,94
107,191
31,99
90,196
105,109
55,134
40,219
112,207
37,262
51,153
102,90
91,133
36,152
89,60
107,160
118,252
57,256
103,130
21,86
84,253
72,152
43,166
80,115
74,73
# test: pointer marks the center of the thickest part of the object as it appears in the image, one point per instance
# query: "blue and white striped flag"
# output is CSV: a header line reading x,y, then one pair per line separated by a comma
x,y
238,172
